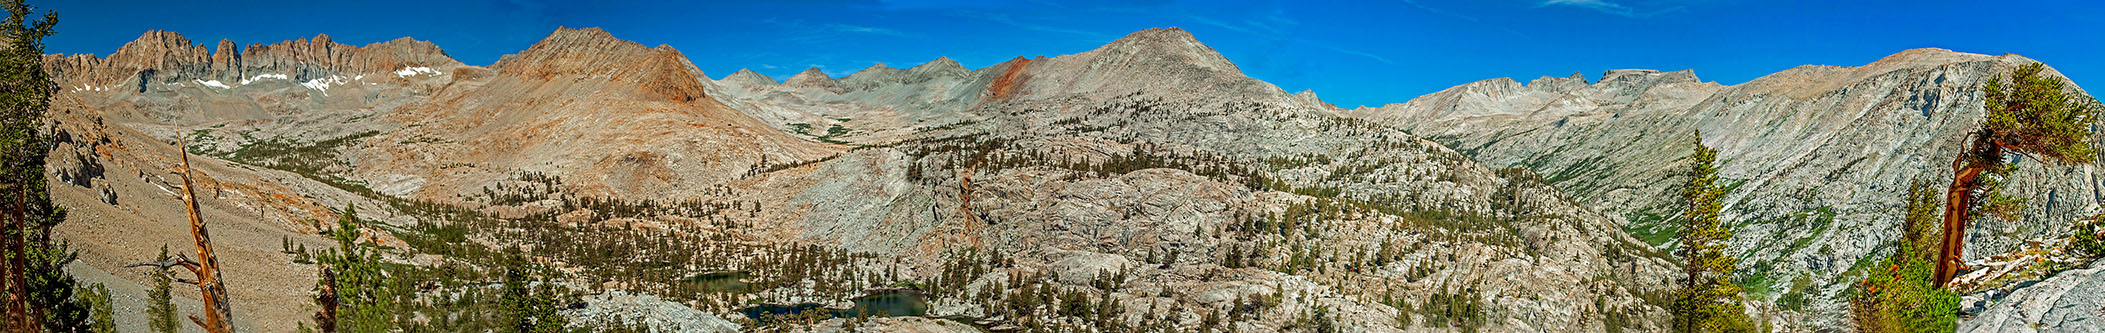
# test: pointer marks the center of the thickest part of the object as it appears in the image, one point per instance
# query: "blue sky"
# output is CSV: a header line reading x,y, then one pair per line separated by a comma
x,y
1350,53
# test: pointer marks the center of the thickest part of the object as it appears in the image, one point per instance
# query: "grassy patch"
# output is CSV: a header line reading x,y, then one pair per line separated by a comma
x,y
1655,234
293,155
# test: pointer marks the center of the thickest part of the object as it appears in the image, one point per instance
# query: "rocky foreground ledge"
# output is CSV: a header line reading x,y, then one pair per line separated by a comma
x,y
2066,302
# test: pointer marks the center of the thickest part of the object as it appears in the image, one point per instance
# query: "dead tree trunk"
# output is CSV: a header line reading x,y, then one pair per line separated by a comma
x,y
217,310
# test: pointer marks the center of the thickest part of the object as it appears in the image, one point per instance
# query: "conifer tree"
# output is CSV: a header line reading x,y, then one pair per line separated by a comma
x,y
360,282
1708,300
39,294
160,306
103,319
526,305
2032,115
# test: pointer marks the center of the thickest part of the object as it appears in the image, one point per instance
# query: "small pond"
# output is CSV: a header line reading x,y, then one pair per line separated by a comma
x,y
886,303
724,281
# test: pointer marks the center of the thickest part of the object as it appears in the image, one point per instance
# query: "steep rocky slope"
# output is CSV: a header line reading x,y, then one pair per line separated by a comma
x,y
1818,155
622,119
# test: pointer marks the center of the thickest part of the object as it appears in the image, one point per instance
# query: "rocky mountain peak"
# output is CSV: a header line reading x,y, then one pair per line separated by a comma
x,y
747,76
601,61
941,63
1630,82
567,43
873,76
572,37
157,49
1166,45
226,55
1567,83
1923,56
1168,61
1309,96
812,78
942,66
874,71
572,51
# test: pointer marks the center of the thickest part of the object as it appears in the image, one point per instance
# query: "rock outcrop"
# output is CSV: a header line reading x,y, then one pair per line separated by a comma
x,y
2068,302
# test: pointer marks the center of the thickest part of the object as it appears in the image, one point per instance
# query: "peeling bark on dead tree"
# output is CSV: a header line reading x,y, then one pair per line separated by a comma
x,y
218,313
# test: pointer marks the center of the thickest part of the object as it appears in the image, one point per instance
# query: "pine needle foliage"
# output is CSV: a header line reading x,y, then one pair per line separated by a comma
x,y
363,288
1708,300
160,305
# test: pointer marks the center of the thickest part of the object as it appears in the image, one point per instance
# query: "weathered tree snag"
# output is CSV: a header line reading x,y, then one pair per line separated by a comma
x,y
217,311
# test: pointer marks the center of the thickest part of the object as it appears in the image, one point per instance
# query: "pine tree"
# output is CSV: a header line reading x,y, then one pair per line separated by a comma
x,y
526,307
2033,115
1708,300
103,319
363,289
160,306
39,294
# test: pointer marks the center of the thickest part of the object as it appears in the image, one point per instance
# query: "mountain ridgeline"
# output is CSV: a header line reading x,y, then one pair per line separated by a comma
x,y
1145,185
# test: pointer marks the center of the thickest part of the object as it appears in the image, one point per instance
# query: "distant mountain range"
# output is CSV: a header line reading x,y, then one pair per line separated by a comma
x,y
1149,177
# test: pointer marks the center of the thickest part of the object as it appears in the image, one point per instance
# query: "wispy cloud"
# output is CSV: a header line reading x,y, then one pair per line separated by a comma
x,y
1273,24
1610,8
863,30
821,33
1442,12
1218,23
1005,19
1361,53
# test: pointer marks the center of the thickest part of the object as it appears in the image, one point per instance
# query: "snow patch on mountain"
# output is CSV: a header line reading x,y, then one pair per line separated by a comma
x,y
262,77
213,83
413,71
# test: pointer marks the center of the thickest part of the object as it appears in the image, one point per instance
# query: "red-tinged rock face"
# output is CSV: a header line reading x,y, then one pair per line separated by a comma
x,y
1011,79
